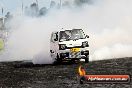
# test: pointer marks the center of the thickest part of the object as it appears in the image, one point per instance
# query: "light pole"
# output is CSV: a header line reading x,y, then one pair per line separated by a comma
x,y
60,3
22,7
2,10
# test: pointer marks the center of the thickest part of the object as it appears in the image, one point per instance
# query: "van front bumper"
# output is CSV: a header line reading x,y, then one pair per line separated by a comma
x,y
67,54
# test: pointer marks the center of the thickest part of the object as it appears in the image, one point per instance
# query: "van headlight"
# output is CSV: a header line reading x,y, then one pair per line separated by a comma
x,y
62,46
85,44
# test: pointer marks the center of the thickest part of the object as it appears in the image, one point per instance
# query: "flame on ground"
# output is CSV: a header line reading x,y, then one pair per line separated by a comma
x,y
81,71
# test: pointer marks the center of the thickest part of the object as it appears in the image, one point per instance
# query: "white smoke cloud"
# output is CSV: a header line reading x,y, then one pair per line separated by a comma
x,y
108,22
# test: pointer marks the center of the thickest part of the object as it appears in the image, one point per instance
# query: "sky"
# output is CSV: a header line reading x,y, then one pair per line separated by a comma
x,y
12,5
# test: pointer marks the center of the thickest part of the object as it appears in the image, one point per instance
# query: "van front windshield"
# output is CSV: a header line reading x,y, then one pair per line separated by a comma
x,y
74,34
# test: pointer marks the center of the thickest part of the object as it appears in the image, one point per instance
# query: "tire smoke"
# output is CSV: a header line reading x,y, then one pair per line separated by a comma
x,y
107,22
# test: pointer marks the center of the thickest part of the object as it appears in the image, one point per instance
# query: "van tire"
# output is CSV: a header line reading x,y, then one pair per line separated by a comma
x,y
58,60
87,59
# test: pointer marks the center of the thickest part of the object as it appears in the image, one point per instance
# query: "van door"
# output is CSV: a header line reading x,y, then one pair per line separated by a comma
x,y
54,45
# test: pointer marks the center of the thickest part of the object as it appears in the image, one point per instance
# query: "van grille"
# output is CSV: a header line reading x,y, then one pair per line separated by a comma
x,y
75,54
74,47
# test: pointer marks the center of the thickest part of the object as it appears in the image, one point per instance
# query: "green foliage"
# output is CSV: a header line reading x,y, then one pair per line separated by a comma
x,y
1,44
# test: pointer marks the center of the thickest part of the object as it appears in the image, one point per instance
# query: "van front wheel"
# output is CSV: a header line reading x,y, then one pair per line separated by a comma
x,y
58,60
87,59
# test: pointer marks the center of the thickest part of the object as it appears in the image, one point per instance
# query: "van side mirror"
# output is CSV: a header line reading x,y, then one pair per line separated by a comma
x,y
86,36
56,37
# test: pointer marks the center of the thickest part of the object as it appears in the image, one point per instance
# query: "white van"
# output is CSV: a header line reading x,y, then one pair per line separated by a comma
x,y
69,45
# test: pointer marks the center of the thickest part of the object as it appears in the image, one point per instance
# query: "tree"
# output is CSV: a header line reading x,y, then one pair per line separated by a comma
x,y
43,11
34,9
52,4
66,4
8,15
81,2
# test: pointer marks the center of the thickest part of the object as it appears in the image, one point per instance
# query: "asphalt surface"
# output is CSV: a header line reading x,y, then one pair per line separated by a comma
x,y
19,74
